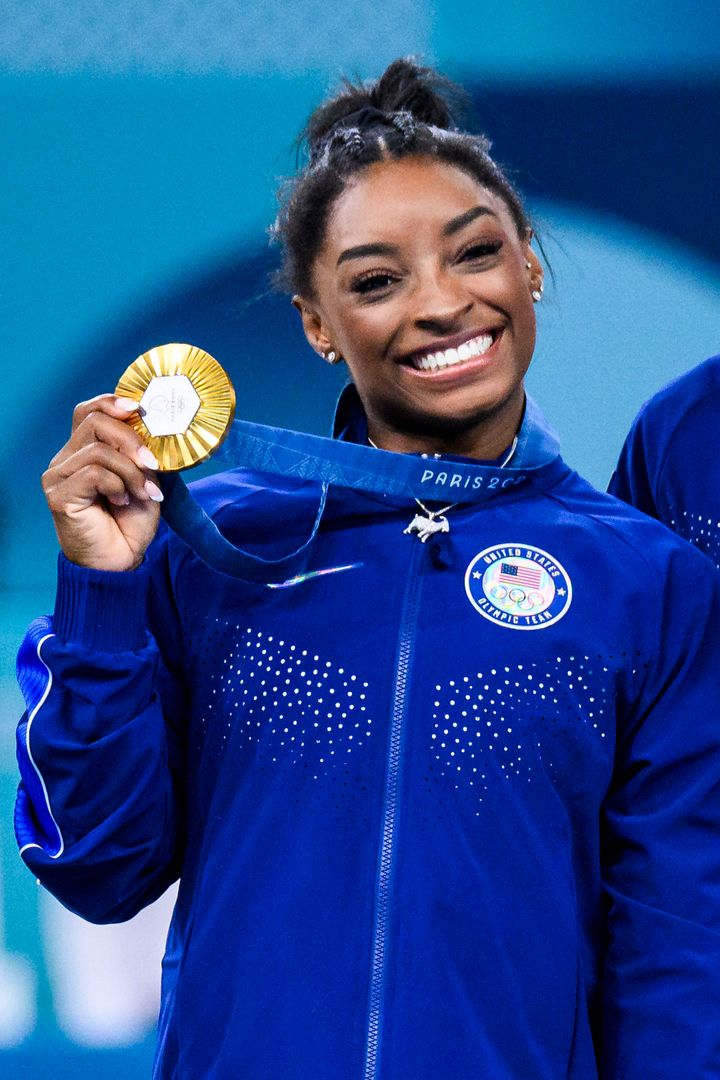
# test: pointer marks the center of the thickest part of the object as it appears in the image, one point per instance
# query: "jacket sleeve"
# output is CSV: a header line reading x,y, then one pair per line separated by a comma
x,y
635,477
99,809
661,847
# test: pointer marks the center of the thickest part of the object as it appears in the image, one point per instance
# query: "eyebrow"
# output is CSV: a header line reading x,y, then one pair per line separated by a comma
x,y
368,249
449,229
459,222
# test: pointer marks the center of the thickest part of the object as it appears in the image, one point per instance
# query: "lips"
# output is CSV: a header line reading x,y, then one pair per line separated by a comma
x,y
454,351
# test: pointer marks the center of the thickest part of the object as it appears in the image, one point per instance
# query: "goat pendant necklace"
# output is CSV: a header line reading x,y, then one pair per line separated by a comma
x,y
431,522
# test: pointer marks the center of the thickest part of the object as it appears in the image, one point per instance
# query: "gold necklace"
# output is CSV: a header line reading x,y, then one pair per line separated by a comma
x,y
434,521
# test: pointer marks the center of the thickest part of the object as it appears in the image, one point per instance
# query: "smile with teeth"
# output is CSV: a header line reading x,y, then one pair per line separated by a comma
x,y
469,350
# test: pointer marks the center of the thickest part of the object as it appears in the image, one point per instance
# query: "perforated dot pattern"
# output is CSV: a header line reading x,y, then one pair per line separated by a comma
x,y
288,703
699,529
500,720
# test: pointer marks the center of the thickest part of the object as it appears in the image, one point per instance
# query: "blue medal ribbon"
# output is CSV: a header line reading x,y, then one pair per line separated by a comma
x,y
278,452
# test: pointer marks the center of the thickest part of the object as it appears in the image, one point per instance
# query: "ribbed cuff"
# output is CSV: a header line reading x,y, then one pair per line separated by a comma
x,y
101,610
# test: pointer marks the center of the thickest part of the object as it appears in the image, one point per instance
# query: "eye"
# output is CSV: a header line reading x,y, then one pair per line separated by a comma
x,y
373,281
480,249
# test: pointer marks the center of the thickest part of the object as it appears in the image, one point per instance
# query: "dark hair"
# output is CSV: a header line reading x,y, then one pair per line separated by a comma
x,y
409,110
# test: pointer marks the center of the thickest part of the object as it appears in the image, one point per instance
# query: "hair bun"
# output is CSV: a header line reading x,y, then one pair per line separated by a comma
x,y
411,110
405,87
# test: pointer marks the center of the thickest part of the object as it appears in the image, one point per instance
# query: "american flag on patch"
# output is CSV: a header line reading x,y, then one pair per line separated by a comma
x,y
520,575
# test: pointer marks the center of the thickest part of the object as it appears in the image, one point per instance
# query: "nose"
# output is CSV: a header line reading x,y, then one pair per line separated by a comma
x,y
441,301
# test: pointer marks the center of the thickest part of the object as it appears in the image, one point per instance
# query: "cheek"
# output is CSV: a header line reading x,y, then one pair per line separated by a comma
x,y
525,333
365,332
523,310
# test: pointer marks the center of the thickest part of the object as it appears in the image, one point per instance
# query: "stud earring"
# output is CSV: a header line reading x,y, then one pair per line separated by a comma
x,y
528,265
537,294
332,357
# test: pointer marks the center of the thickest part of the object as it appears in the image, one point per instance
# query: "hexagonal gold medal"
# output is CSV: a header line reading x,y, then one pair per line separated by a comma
x,y
186,403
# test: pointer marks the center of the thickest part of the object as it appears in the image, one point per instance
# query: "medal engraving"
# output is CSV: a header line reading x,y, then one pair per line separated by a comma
x,y
169,405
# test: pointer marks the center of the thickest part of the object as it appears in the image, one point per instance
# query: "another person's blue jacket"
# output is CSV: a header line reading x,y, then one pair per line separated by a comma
x,y
440,810
670,464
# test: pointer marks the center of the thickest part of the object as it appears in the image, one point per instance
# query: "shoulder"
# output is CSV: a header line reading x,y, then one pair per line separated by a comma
x,y
615,523
669,448
683,397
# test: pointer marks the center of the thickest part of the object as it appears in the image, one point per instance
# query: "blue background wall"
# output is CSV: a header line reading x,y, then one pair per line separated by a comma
x,y
141,149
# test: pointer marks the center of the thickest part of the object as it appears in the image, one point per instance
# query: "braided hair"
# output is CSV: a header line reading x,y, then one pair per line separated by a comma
x,y
408,111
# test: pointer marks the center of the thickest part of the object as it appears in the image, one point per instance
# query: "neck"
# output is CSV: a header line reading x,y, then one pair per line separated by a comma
x,y
483,441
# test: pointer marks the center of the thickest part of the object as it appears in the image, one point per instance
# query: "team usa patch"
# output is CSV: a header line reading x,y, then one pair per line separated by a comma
x,y
518,586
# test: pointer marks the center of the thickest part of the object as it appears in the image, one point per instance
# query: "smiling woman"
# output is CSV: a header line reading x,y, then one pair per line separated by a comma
x,y
424,286
410,253
443,804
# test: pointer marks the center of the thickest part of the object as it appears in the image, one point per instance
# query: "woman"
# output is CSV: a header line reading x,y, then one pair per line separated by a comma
x,y
449,810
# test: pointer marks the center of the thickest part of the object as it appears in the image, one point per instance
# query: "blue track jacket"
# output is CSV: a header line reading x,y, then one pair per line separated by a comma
x,y
439,811
669,466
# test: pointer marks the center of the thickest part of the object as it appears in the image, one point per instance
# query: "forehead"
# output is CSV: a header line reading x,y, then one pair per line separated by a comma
x,y
397,197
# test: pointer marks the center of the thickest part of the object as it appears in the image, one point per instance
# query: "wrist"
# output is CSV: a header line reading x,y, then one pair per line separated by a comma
x,y
104,610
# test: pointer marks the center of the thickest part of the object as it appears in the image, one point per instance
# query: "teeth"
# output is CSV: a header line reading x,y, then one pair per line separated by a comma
x,y
469,350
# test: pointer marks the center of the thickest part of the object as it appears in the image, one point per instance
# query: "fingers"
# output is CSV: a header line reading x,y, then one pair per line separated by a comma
x,y
101,489
97,468
110,404
104,425
104,456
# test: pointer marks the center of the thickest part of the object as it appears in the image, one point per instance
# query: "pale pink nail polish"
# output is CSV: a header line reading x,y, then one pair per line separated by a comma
x,y
154,491
147,458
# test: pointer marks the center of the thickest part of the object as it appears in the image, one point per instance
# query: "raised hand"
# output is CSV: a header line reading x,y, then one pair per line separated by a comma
x,y
100,488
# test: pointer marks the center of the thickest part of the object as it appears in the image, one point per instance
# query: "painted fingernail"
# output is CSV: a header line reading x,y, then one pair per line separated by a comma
x,y
154,491
126,404
147,458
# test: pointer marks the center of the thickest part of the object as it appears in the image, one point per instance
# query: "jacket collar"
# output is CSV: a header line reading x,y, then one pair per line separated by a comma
x,y
537,444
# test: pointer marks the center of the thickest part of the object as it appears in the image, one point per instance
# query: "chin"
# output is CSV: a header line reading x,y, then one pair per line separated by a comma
x,y
469,410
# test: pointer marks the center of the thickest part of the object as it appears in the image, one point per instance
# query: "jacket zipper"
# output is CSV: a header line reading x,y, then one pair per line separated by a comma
x,y
404,655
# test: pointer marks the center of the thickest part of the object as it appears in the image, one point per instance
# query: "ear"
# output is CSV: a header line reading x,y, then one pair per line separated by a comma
x,y
314,326
534,267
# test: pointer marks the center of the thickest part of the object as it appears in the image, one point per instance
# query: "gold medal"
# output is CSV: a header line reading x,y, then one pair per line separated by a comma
x,y
186,403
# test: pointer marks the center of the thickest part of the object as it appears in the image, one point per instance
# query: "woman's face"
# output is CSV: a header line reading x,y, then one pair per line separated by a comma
x,y
422,285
